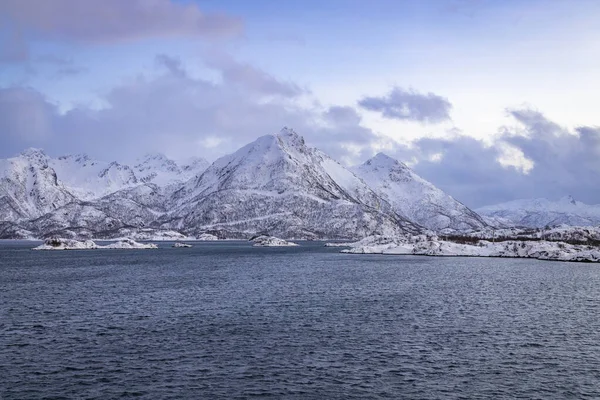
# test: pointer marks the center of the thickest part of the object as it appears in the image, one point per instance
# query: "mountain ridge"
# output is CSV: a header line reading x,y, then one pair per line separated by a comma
x,y
275,184
415,198
541,212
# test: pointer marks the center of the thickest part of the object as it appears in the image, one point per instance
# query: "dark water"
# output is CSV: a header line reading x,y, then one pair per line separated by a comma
x,y
228,321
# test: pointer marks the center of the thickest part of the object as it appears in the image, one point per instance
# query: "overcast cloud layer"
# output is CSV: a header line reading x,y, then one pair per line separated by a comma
x,y
217,97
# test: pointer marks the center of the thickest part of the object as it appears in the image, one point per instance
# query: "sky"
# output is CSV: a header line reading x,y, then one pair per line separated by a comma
x,y
489,100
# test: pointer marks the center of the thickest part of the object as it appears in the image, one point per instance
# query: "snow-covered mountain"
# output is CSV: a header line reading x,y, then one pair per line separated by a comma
x,y
158,169
278,185
40,194
416,199
538,213
90,179
29,187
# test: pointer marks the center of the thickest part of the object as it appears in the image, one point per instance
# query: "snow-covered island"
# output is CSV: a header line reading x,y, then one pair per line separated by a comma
x,y
434,246
270,241
181,245
72,244
207,237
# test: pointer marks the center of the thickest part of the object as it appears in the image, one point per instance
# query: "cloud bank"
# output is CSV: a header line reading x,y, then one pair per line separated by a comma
x,y
558,162
106,21
179,114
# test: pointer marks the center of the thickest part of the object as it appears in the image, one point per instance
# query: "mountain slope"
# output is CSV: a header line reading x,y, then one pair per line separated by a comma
x,y
91,179
29,187
278,185
159,170
415,198
538,213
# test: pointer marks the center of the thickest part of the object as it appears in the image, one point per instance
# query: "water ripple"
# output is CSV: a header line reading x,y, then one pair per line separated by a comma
x,y
229,321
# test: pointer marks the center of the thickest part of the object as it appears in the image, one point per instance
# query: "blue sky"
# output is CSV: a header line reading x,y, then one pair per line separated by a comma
x,y
441,85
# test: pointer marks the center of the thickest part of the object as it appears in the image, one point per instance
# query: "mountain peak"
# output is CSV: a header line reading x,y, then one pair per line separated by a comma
x,y
33,152
35,156
382,160
290,137
152,156
415,198
568,200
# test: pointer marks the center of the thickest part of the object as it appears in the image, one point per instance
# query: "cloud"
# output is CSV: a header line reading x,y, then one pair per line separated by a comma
x,y
13,47
235,72
106,21
409,105
538,158
72,70
179,114
65,66
26,119
172,64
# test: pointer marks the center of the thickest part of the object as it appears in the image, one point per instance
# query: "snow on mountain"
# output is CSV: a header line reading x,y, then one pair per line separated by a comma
x,y
564,233
29,187
275,185
132,208
90,179
415,198
538,213
278,185
158,169
194,165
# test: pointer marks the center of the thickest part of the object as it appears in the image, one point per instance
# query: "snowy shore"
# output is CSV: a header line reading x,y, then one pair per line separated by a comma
x,y
434,246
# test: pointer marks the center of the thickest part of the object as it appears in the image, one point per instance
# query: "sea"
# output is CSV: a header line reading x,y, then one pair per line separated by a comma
x,y
225,320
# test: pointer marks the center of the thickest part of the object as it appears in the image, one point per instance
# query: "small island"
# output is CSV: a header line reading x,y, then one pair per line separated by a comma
x,y
182,245
72,244
207,237
270,241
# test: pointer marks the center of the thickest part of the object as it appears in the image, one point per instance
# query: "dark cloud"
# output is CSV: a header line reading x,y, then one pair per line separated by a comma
x,y
175,113
342,115
409,105
172,64
105,21
564,162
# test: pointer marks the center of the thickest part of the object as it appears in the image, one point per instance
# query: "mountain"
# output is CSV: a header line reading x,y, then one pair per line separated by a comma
x,y
89,179
158,169
29,187
79,196
538,213
416,199
275,185
278,185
